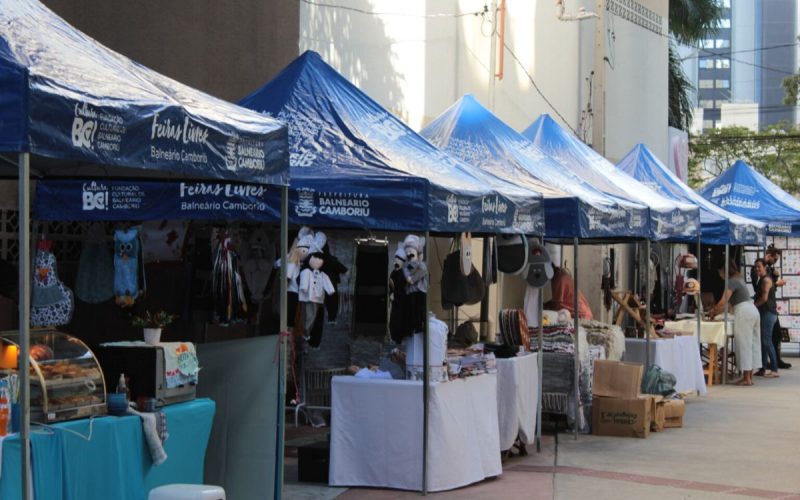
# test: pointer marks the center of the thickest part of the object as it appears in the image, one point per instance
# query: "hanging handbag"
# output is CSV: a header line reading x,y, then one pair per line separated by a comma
x,y
512,253
457,288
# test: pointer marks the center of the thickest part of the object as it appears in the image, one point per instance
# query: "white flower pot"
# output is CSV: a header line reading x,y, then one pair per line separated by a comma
x,y
152,336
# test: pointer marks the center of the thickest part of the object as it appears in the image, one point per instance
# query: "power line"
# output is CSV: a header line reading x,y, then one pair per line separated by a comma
x,y
541,94
403,14
695,56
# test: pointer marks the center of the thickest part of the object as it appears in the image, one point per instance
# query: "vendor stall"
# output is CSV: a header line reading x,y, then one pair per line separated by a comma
x,y
70,107
389,178
718,226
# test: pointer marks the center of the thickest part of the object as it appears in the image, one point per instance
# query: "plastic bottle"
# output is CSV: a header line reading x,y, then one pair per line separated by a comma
x,y
5,411
122,387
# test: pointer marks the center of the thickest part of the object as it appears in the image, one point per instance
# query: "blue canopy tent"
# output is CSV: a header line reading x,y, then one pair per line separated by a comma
x,y
345,146
717,226
71,107
573,208
668,219
744,191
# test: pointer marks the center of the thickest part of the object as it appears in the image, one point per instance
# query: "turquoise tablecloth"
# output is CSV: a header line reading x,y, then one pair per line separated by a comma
x,y
115,463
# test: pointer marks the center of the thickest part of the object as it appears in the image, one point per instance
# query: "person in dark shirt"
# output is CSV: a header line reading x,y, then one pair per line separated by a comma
x,y
771,257
768,310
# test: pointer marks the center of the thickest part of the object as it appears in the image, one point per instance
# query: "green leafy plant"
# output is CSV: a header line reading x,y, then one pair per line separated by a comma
x,y
159,319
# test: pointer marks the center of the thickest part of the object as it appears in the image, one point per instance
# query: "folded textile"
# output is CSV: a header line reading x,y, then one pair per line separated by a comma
x,y
154,427
180,363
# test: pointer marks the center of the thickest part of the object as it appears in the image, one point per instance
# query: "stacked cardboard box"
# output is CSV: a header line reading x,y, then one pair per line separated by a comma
x,y
618,409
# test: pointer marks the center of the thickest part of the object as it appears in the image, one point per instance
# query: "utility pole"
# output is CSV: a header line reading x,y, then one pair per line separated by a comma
x,y
599,81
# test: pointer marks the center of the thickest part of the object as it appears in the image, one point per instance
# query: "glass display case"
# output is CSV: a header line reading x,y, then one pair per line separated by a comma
x,y
66,379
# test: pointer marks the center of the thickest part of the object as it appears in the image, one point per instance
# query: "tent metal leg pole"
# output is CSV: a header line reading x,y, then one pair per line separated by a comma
x,y
425,382
647,303
23,186
576,320
540,354
699,296
283,339
725,318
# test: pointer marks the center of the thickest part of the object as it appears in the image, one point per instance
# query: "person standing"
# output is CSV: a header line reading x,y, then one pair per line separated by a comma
x,y
768,310
747,322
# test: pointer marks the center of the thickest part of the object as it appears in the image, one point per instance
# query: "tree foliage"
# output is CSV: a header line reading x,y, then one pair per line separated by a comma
x,y
775,152
690,21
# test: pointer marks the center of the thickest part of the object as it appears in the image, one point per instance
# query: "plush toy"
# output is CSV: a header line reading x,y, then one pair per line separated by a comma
x,y
334,269
127,252
415,273
51,300
294,262
314,285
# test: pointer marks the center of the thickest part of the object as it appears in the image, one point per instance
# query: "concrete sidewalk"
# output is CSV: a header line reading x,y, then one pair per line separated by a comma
x,y
737,442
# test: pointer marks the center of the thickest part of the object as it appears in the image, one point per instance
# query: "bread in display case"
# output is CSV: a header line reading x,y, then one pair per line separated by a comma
x,y
66,379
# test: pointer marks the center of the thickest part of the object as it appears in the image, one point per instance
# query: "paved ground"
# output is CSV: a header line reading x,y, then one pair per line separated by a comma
x,y
738,442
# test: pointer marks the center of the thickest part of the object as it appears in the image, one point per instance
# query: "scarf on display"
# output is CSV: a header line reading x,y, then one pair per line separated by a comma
x,y
228,289
51,301
94,282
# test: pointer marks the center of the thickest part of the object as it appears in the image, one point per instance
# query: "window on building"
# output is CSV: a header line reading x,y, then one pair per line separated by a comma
x,y
706,63
706,103
708,44
722,63
723,44
724,23
725,4
723,84
706,84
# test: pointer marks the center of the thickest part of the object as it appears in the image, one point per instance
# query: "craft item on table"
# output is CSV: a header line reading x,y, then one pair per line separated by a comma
x,y
181,366
437,351
461,282
257,261
610,337
465,336
314,286
512,253
369,372
154,427
162,241
94,282
226,282
514,328
51,301
416,275
128,266
334,269
397,287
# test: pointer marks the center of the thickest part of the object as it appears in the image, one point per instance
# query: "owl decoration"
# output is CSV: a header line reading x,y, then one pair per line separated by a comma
x,y
127,254
51,301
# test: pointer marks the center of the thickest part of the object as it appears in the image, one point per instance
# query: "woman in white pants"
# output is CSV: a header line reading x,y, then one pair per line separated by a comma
x,y
747,322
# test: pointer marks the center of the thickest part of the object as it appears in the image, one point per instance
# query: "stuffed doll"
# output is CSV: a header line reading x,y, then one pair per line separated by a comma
x,y
127,255
313,286
334,269
397,287
416,275
51,300
294,261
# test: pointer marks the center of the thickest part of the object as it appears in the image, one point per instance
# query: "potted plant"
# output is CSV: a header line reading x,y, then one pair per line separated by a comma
x,y
152,324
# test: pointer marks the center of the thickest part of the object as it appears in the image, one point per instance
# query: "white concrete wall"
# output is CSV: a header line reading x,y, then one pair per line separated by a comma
x,y
417,65
740,115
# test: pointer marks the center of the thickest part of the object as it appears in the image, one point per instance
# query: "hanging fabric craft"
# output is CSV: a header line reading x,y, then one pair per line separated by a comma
x,y
162,240
257,264
227,286
51,300
512,253
94,282
461,282
127,259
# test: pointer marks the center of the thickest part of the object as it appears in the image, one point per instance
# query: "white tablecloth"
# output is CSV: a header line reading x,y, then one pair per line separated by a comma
x,y
679,356
711,332
376,433
517,396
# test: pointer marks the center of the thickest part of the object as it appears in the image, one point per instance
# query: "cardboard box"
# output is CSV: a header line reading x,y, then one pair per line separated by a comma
x,y
621,417
657,415
616,379
673,413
